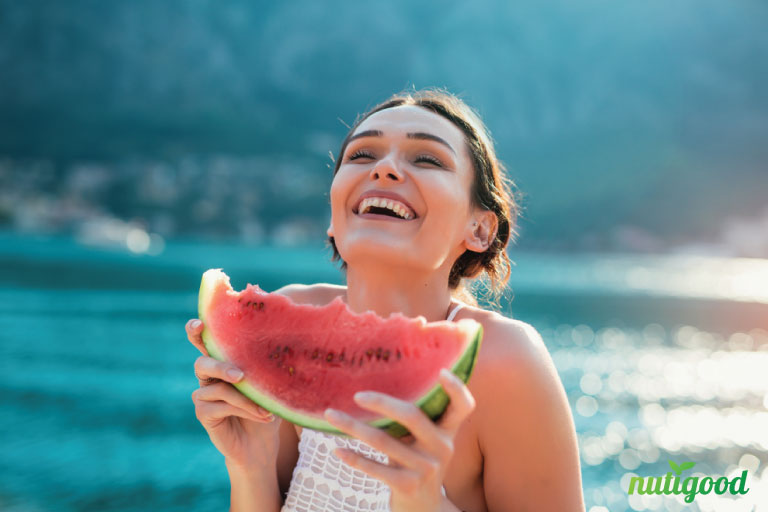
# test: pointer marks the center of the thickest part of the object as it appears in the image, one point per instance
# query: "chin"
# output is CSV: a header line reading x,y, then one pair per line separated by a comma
x,y
388,252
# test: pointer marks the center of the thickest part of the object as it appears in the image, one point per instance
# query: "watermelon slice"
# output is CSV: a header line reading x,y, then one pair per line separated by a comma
x,y
300,359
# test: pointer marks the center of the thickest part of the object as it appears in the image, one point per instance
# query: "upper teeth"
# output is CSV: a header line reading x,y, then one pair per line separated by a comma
x,y
396,206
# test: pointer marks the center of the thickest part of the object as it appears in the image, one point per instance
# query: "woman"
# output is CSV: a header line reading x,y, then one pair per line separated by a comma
x,y
418,206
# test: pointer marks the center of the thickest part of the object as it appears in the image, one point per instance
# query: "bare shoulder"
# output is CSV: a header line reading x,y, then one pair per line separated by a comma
x,y
514,372
507,345
525,428
317,294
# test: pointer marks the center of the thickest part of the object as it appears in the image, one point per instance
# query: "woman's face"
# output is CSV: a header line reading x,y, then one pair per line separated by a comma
x,y
402,191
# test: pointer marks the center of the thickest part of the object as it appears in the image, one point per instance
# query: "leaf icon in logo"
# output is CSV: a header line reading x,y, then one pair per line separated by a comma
x,y
682,467
675,467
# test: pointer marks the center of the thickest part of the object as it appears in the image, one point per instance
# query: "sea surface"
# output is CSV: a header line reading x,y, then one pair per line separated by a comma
x,y
662,357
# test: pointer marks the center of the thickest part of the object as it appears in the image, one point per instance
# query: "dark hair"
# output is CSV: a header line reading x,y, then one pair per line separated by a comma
x,y
491,189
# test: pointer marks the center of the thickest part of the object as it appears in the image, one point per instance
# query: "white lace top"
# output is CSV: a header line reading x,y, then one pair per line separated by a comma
x,y
323,483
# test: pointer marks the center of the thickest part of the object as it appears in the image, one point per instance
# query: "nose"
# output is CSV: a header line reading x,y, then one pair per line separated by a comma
x,y
386,169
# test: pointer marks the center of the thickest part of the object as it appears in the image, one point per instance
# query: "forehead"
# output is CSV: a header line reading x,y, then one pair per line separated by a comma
x,y
413,119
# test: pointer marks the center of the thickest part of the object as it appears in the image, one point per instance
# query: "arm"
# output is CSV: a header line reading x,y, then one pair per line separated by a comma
x,y
527,436
243,432
253,490
287,456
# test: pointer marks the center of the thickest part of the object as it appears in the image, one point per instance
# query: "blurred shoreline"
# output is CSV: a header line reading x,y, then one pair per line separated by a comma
x,y
138,203
723,294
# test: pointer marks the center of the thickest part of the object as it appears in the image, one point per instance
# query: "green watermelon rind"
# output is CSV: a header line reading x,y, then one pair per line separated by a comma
x,y
433,403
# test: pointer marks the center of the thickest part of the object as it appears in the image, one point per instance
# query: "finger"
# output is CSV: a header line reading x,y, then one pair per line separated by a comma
x,y
194,328
408,415
461,405
207,382
210,413
396,478
397,451
206,367
224,392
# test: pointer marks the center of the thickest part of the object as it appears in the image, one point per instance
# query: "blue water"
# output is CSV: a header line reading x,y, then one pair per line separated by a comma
x,y
97,372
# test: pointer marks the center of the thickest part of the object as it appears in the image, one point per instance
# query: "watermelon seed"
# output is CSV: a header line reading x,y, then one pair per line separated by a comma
x,y
385,355
261,306
398,354
378,354
341,356
369,353
314,354
290,370
329,357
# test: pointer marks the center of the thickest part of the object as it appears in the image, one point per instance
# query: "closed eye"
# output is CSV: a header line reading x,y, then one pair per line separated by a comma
x,y
429,159
360,153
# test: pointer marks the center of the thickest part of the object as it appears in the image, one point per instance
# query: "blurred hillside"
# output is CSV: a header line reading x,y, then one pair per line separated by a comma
x,y
627,126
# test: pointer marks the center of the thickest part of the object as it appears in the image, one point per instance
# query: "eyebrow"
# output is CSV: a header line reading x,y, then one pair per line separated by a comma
x,y
416,135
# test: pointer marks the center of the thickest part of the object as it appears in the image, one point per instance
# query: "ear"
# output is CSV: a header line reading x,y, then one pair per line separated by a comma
x,y
481,231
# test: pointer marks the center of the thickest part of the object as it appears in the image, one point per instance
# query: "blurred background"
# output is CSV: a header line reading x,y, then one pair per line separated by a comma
x,y
144,142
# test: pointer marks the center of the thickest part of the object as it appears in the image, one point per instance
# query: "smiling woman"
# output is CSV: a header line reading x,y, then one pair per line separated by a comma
x,y
487,187
419,206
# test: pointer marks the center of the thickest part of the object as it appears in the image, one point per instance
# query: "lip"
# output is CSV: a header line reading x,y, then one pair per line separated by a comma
x,y
385,194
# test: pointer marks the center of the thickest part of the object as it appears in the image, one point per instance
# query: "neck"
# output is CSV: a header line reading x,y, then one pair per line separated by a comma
x,y
409,292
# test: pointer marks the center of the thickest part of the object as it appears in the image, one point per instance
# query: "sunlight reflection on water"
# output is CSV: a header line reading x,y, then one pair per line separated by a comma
x,y
736,279
644,396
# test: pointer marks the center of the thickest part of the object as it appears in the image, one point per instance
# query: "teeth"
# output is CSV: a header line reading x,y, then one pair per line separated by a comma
x,y
395,206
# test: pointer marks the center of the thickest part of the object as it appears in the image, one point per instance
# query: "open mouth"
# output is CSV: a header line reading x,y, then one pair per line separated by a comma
x,y
380,206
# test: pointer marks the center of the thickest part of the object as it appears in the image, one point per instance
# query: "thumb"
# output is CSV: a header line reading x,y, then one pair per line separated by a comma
x,y
461,404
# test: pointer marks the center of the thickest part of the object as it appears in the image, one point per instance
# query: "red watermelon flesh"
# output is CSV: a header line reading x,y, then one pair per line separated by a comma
x,y
300,359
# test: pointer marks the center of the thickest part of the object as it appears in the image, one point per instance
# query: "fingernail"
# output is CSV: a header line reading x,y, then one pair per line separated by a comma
x,y
363,396
234,374
449,375
269,417
333,414
261,417
196,324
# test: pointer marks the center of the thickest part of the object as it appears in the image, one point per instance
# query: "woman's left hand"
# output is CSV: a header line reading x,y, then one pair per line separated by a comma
x,y
415,472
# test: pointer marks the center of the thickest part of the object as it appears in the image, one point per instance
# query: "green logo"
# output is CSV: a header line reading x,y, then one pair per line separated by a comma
x,y
670,484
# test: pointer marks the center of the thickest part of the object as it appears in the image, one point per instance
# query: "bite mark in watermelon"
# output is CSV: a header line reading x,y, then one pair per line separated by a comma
x,y
300,359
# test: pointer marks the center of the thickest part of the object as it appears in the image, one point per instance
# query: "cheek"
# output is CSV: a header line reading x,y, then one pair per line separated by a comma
x,y
342,187
339,191
448,197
